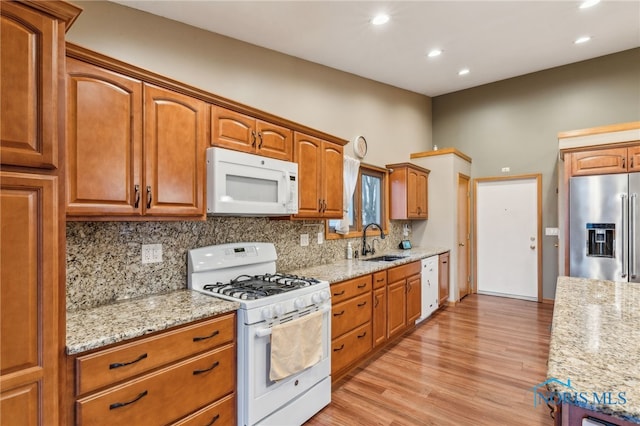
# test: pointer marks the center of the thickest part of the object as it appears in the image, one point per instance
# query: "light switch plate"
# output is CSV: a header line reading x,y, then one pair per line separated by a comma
x,y
304,240
551,232
320,237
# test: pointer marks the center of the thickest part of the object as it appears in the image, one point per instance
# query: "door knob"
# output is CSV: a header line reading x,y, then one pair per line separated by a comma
x,y
532,247
460,244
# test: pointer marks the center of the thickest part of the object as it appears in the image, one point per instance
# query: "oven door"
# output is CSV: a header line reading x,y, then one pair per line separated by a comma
x,y
258,396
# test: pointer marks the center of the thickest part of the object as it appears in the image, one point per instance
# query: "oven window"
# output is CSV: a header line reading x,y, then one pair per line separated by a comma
x,y
242,188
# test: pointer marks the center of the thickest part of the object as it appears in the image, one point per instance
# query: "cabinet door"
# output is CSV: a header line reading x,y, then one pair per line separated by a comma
x,y
28,298
422,198
230,129
443,279
412,199
174,153
396,307
633,157
104,141
600,161
308,155
414,298
379,316
332,180
29,55
274,141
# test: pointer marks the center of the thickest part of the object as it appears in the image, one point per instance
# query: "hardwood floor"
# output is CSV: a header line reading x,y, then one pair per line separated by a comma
x,y
471,364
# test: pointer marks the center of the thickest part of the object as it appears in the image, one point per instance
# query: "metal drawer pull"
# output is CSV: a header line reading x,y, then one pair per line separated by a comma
x,y
380,280
339,349
339,294
377,302
214,334
362,285
213,420
337,314
122,364
149,196
215,364
124,404
137,191
360,336
360,305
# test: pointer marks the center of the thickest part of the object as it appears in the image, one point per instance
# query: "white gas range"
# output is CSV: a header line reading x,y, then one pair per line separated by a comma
x,y
269,301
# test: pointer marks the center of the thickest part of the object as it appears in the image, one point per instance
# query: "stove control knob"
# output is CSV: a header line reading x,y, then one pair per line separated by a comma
x,y
317,298
300,303
324,295
278,310
267,313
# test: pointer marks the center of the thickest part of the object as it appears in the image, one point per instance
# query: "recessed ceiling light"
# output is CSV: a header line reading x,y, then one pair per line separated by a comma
x,y
434,53
380,19
588,3
581,40
463,71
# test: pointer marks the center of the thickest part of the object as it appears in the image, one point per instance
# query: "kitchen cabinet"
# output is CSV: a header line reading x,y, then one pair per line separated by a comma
x,y
604,161
143,381
240,132
379,316
32,240
32,47
443,279
351,328
404,297
135,150
409,191
320,177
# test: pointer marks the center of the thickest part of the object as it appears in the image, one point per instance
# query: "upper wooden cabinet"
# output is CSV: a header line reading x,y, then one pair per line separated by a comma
x,y
240,132
320,165
134,149
605,161
31,47
409,191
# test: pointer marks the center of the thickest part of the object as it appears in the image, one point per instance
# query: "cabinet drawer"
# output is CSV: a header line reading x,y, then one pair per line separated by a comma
x,y
125,361
347,289
379,279
165,395
350,347
220,413
350,314
403,271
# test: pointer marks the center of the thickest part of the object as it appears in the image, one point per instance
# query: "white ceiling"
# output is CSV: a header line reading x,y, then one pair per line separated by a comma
x,y
494,39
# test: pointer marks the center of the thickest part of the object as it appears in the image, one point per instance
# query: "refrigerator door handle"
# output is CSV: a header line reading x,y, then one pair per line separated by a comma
x,y
625,237
632,235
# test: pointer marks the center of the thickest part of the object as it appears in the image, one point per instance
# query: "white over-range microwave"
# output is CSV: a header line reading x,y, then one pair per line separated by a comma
x,y
243,184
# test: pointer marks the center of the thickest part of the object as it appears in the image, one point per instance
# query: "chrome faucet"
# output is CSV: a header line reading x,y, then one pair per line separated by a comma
x,y
365,248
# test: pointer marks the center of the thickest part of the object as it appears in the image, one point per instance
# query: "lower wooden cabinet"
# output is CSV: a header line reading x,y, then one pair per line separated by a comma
x,y
379,316
350,322
160,379
369,311
443,279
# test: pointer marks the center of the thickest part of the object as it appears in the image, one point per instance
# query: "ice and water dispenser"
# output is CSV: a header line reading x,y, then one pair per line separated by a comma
x,y
601,239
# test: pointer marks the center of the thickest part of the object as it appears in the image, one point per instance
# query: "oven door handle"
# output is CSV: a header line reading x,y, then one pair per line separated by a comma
x,y
262,332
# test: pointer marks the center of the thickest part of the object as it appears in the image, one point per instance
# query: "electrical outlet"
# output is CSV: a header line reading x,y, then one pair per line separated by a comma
x,y
151,253
320,237
506,169
304,240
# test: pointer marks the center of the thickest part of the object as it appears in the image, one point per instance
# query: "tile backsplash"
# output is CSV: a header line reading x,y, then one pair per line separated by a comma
x,y
104,258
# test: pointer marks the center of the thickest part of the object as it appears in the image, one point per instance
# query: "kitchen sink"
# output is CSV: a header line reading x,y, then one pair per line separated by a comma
x,y
386,258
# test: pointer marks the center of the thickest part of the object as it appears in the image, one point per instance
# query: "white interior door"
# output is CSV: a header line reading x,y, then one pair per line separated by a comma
x,y
508,233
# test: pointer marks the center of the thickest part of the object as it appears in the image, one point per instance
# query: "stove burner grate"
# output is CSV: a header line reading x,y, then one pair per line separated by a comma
x,y
248,287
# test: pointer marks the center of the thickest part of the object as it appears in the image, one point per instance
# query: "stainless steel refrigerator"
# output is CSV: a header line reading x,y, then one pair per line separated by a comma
x,y
604,227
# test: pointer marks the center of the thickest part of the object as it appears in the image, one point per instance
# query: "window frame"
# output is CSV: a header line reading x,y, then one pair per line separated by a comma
x,y
356,231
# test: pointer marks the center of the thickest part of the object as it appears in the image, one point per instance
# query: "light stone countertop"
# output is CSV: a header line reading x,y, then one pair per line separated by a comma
x,y
104,325
346,269
595,344
97,327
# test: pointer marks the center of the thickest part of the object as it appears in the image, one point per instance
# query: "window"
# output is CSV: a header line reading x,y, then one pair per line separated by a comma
x,y
369,203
